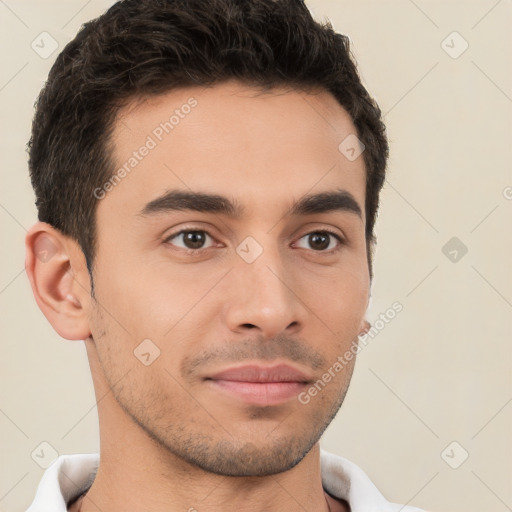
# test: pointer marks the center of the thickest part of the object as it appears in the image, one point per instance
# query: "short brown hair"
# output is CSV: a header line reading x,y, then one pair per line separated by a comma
x,y
149,47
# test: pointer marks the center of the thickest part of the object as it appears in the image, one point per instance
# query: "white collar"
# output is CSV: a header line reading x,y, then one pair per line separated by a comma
x,y
71,475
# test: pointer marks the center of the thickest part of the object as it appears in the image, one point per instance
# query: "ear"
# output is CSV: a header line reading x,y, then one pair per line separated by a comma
x,y
364,327
56,269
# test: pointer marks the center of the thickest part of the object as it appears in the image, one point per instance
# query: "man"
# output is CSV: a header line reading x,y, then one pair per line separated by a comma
x,y
207,178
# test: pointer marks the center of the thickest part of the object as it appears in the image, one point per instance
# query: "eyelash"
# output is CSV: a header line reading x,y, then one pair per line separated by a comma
x,y
196,251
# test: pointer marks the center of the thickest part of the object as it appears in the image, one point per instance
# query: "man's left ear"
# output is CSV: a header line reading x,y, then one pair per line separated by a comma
x,y
364,327
56,268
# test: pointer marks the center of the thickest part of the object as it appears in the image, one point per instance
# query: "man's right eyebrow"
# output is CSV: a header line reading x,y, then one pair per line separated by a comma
x,y
177,200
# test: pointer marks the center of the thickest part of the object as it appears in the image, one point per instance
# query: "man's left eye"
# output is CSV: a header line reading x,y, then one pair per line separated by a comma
x,y
323,241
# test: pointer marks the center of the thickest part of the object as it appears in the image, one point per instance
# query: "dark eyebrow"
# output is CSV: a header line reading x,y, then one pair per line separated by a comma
x,y
197,201
340,200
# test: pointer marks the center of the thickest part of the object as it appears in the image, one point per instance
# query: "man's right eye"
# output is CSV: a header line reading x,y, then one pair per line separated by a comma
x,y
190,240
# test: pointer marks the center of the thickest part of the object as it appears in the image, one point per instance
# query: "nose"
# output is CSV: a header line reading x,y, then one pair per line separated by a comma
x,y
262,298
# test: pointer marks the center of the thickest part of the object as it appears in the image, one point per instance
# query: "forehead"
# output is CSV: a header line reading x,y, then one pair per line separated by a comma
x,y
232,140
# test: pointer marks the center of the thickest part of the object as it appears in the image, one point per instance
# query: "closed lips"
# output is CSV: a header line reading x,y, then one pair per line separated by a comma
x,y
261,374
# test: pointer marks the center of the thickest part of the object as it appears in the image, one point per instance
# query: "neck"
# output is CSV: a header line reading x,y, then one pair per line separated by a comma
x,y
140,481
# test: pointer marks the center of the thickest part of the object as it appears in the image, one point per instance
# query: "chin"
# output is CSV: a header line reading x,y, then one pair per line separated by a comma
x,y
232,457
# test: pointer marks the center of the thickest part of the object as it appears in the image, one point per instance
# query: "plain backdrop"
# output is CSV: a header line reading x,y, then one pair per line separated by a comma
x,y
429,412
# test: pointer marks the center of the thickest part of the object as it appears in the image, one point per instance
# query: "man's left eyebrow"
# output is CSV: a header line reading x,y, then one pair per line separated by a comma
x,y
324,202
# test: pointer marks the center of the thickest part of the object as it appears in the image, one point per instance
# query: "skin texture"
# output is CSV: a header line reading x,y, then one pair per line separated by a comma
x,y
171,439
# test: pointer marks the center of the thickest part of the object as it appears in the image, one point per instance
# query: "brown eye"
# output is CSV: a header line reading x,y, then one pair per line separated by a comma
x,y
321,241
189,239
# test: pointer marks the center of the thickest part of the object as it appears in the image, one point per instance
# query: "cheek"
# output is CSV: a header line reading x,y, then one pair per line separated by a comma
x,y
170,309
340,301
133,299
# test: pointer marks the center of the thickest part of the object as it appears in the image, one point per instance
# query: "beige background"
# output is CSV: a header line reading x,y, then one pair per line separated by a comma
x,y
437,373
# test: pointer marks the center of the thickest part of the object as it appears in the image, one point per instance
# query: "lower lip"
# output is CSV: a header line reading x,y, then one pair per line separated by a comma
x,y
260,393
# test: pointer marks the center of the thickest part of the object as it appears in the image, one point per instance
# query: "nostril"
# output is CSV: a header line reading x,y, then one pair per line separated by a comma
x,y
250,326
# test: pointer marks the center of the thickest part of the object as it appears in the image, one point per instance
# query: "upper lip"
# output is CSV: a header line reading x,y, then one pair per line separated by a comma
x,y
260,373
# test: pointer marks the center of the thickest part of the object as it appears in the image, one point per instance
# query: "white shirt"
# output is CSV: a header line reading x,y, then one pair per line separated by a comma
x,y
340,478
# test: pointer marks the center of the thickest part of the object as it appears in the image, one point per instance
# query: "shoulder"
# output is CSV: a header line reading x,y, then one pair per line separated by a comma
x,y
343,479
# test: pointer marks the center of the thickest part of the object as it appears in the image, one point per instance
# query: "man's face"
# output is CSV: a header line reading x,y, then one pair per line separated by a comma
x,y
246,307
